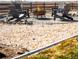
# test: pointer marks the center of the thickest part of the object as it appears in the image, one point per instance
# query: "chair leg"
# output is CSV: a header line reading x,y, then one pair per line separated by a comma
x,y
54,17
37,16
26,20
6,19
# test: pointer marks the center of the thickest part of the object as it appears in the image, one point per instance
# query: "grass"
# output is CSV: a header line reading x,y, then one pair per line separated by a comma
x,y
67,49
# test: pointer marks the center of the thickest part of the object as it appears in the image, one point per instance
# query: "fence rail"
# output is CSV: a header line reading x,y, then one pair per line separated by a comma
x,y
33,5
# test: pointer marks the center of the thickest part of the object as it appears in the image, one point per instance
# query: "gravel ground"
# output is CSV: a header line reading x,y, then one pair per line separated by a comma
x,y
35,36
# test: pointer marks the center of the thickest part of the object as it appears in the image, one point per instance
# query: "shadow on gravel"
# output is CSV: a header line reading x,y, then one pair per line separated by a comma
x,y
20,23
2,55
44,18
69,20
55,23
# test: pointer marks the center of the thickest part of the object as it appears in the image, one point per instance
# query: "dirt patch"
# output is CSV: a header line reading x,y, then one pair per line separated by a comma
x,y
9,52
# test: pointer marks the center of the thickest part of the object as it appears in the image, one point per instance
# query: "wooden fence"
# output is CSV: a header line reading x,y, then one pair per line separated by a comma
x,y
4,7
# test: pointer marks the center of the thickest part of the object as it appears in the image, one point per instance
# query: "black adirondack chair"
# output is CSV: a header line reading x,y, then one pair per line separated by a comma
x,y
17,12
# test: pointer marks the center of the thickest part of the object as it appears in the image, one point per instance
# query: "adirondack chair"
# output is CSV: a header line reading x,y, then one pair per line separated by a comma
x,y
64,12
17,12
